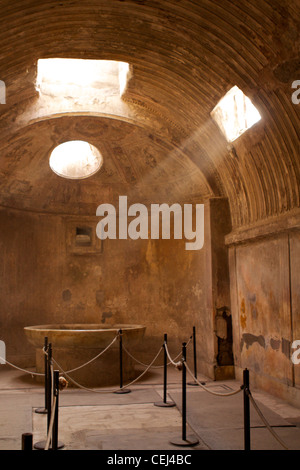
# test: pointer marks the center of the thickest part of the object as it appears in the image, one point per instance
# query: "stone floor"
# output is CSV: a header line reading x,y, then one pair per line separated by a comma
x,y
103,420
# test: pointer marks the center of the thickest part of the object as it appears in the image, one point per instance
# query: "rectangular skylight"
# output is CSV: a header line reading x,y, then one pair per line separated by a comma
x,y
77,77
234,114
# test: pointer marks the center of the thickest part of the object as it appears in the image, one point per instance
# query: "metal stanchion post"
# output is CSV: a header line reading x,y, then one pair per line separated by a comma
x,y
45,410
195,359
184,393
121,390
55,443
246,410
165,403
42,444
50,385
190,440
27,441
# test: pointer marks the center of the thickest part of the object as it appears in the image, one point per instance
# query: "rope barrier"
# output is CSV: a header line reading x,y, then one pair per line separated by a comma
x,y
153,367
51,424
145,365
260,414
146,370
93,359
45,352
265,421
86,363
178,365
108,391
19,368
136,360
210,391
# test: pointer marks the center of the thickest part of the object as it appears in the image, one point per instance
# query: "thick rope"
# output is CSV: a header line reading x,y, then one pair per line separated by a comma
x,y
93,359
51,424
154,367
146,370
110,391
210,391
146,365
53,400
19,368
176,364
252,401
265,421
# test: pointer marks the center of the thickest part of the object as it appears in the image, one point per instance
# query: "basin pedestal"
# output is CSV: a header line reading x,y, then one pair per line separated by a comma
x,y
74,346
103,371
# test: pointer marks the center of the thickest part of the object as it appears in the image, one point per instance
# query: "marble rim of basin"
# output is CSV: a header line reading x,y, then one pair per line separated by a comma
x,y
82,335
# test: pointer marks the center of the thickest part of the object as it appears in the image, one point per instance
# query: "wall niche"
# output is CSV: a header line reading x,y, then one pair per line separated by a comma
x,y
81,238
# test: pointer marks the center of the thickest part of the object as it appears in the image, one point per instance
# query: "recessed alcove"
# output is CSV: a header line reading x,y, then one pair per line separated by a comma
x,y
80,236
83,236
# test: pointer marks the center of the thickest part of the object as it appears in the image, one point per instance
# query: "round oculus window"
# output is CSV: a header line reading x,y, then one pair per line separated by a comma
x,y
75,159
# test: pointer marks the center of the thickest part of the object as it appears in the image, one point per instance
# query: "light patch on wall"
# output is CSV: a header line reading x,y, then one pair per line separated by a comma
x,y
234,114
2,353
75,159
70,78
2,92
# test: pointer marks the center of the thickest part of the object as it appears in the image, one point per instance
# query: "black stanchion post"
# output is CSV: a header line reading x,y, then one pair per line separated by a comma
x,y
121,390
45,410
165,403
184,392
46,374
246,409
195,351
27,441
190,440
55,444
50,385
195,358
41,444
55,422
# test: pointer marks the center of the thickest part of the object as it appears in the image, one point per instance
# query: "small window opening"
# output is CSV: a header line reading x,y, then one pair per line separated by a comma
x,y
235,114
83,236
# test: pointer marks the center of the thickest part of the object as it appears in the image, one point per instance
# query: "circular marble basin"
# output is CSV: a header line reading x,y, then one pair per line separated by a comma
x,y
76,344
82,335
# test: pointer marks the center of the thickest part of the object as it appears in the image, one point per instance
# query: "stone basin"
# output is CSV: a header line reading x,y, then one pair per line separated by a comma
x,y
76,344
81,335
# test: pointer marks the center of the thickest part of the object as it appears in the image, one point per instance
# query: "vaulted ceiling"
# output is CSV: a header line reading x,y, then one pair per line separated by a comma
x,y
159,142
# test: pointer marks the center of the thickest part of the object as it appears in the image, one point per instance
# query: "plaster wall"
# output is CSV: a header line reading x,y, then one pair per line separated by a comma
x,y
158,283
264,276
